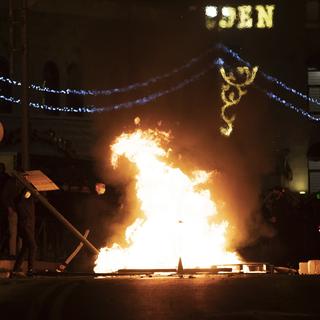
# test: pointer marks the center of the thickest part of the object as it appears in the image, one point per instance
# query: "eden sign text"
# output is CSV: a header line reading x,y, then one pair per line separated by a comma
x,y
241,17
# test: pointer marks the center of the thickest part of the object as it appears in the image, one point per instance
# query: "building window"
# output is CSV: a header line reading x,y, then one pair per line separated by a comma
x,y
313,13
314,176
5,87
51,80
313,156
314,89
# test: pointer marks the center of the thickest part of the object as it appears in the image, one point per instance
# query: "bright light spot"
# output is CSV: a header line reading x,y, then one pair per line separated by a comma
x,y
211,11
219,62
100,188
302,192
137,121
27,194
227,11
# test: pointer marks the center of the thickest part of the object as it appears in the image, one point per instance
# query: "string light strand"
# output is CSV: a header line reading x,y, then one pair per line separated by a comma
x,y
292,106
123,105
108,92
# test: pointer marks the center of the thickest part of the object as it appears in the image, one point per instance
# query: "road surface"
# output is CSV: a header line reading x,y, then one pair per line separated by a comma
x,y
254,297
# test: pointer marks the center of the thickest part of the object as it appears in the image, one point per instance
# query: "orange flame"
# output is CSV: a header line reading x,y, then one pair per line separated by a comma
x,y
176,212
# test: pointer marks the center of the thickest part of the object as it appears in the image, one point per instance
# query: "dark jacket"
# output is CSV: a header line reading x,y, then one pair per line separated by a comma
x,y
9,193
26,211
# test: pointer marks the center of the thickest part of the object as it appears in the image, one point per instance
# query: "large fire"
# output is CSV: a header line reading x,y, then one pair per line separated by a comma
x,y
178,212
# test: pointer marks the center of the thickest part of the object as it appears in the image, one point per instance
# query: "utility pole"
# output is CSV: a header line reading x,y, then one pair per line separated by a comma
x,y
11,40
24,88
18,39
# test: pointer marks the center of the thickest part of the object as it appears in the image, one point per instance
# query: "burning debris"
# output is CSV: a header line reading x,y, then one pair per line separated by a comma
x,y
178,212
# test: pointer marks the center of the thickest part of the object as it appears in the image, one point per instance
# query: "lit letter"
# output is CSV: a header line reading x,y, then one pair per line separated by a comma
x,y
245,17
265,16
229,16
211,13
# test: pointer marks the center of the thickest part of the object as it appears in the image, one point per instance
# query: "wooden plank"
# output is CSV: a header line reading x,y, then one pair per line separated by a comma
x,y
40,181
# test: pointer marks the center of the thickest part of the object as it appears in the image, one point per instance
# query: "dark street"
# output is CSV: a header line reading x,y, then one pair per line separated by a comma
x,y
153,136
215,297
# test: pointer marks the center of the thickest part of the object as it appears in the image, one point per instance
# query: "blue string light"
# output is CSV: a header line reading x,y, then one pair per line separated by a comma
x,y
166,75
219,62
40,106
144,100
108,92
291,106
8,80
123,105
50,108
268,77
10,99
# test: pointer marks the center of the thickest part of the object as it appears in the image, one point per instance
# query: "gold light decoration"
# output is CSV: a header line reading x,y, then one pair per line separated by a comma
x,y
232,91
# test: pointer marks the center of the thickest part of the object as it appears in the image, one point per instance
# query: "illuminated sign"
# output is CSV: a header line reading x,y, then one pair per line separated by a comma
x,y
241,17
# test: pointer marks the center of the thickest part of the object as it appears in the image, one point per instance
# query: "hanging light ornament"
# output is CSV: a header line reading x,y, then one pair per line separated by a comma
x,y
231,93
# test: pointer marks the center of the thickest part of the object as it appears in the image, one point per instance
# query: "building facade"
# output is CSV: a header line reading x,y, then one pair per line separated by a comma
x,y
106,44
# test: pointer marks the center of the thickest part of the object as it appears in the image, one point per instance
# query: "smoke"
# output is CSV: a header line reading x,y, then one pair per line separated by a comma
x,y
240,163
